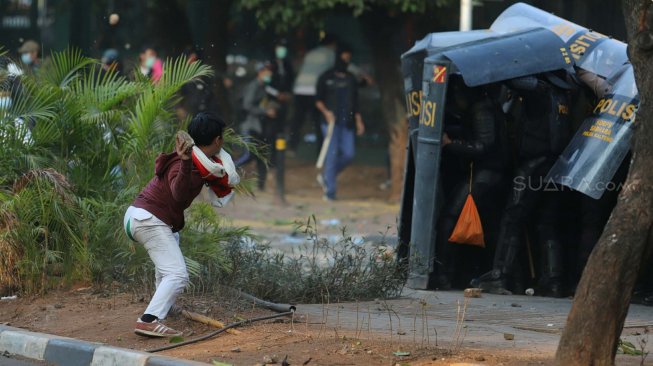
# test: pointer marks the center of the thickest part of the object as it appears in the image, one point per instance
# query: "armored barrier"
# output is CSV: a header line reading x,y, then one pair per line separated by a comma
x,y
427,169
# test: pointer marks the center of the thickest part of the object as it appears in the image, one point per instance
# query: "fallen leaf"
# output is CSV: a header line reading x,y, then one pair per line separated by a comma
x,y
176,339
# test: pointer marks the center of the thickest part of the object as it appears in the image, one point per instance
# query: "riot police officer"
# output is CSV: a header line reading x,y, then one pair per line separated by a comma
x,y
473,120
543,129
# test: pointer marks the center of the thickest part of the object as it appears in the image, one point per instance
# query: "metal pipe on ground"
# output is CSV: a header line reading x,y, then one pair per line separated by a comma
x,y
213,334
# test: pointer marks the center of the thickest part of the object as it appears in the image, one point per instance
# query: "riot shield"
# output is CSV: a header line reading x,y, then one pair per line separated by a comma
x,y
594,154
412,66
510,56
520,17
427,169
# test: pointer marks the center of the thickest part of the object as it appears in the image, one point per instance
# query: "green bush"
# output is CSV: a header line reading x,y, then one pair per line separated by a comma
x,y
79,143
318,271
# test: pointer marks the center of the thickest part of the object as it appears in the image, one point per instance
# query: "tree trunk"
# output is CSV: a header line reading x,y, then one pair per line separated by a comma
x,y
216,51
382,29
170,31
603,295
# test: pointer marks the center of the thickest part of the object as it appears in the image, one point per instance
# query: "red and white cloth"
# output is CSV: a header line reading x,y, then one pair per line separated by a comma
x,y
220,174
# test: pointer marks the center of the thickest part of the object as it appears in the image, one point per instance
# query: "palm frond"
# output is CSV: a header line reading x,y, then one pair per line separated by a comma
x,y
57,180
146,128
64,67
177,72
100,92
30,102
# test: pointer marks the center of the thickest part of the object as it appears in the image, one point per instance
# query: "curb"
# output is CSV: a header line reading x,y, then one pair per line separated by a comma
x,y
62,351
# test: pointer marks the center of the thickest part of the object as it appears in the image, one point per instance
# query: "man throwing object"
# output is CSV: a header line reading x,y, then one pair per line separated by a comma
x,y
157,214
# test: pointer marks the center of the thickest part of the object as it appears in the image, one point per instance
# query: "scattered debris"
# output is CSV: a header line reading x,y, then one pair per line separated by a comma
x,y
330,222
207,320
472,292
236,350
307,361
9,297
508,336
628,348
358,239
515,305
401,354
270,360
218,363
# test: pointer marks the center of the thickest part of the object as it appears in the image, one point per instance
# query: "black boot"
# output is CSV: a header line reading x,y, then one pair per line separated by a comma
x,y
496,281
551,284
493,282
648,300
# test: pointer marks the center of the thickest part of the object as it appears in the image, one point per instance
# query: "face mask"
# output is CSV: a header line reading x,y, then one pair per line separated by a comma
x,y
26,58
341,65
149,62
267,79
281,52
5,102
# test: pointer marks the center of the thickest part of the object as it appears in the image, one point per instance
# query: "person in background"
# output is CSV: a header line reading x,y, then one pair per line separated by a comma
x,y
29,55
197,95
261,121
282,78
316,62
337,100
150,65
111,60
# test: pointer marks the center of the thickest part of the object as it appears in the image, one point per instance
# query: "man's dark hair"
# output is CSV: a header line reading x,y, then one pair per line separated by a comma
x,y
343,48
189,50
205,127
147,46
329,39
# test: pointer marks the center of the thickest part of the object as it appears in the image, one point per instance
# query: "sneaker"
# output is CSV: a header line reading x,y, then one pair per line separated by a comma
x,y
326,198
154,329
320,181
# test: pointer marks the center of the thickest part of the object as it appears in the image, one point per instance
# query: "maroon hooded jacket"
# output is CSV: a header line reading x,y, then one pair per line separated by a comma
x,y
173,188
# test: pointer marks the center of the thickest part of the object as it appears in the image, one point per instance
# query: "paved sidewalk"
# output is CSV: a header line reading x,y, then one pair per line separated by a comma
x,y
62,351
488,322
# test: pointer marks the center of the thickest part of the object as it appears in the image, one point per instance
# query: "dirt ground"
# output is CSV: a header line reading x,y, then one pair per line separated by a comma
x,y
109,318
362,203
100,316
108,315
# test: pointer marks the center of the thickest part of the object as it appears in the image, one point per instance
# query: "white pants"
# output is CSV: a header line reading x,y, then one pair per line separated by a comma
x,y
163,247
